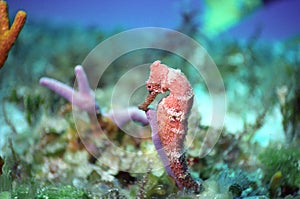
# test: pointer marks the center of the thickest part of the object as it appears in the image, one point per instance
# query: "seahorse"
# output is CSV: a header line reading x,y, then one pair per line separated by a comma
x,y
170,121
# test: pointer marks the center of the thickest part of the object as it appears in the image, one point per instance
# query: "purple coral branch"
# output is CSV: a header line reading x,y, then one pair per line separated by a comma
x,y
58,87
83,82
84,99
121,117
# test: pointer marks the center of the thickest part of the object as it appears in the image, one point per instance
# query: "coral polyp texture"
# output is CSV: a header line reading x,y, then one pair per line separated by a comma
x,y
8,35
169,122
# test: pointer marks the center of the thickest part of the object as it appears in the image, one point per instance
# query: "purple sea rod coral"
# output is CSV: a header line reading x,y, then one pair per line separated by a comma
x,y
169,122
85,99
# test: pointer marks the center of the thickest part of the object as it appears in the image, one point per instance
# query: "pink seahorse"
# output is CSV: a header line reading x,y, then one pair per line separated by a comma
x,y
169,123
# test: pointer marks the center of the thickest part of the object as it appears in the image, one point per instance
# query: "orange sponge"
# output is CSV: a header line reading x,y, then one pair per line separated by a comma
x,y
9,35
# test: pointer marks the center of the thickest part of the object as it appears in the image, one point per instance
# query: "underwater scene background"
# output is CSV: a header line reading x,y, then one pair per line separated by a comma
x,y
51,147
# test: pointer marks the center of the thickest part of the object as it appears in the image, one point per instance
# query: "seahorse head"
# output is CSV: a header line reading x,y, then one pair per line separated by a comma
x,y
157,82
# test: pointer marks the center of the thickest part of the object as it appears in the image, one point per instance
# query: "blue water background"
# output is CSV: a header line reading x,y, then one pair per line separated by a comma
x,y
277,20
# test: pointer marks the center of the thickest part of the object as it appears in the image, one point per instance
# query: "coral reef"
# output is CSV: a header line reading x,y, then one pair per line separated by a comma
x,y
8,35
42,155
